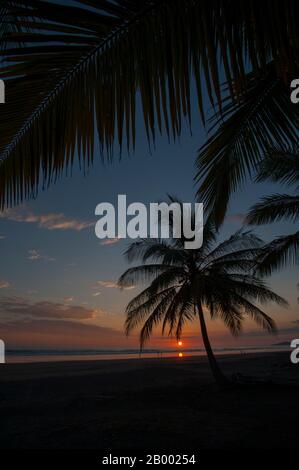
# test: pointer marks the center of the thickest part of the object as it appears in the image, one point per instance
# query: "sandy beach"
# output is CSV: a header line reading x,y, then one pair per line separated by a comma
x,y
150,403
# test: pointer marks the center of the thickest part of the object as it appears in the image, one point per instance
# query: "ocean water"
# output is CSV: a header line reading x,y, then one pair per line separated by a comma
x,y
46,355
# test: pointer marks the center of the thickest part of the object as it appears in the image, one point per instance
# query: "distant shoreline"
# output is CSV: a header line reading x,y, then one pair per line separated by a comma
x,y
47,356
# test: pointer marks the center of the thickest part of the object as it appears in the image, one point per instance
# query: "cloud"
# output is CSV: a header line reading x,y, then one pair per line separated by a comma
x,y
51,221
2,237
62,334
35,255
110,241
96,294
4,284
32,292
108,284
45,309
113,285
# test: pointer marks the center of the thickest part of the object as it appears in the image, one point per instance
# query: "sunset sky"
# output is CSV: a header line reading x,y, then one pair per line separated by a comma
x,y
58,281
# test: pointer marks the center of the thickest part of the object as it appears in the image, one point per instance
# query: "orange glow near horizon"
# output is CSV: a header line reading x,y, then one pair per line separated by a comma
x,y
180,343
180,354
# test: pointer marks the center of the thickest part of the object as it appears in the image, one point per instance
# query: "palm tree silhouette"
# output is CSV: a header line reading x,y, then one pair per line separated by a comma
x,y
280,165
217,279
75,70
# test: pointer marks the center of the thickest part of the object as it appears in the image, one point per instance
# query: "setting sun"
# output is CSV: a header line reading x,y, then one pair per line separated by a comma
x,y
180,354
180,343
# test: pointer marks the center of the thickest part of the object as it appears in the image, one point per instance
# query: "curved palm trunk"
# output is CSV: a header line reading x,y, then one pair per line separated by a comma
x,y
217,373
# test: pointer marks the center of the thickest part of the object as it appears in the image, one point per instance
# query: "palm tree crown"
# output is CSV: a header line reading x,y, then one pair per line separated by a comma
x,y
217,279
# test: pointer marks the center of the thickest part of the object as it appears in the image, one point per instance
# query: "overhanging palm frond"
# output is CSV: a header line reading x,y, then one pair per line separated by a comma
x,y
243,133
280,165
280,253
8,23
66,64
274,208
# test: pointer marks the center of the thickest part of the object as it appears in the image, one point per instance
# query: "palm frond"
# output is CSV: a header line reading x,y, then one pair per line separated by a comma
x,y
274,208
260,317
236,264
138,309
281,252
153,319
156,250
238,244
181,305
185,314
242,133
148,294
280,164
74,71
145,273
232,318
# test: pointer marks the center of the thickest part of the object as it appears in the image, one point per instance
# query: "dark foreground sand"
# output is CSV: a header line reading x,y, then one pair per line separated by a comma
x,y
150,403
